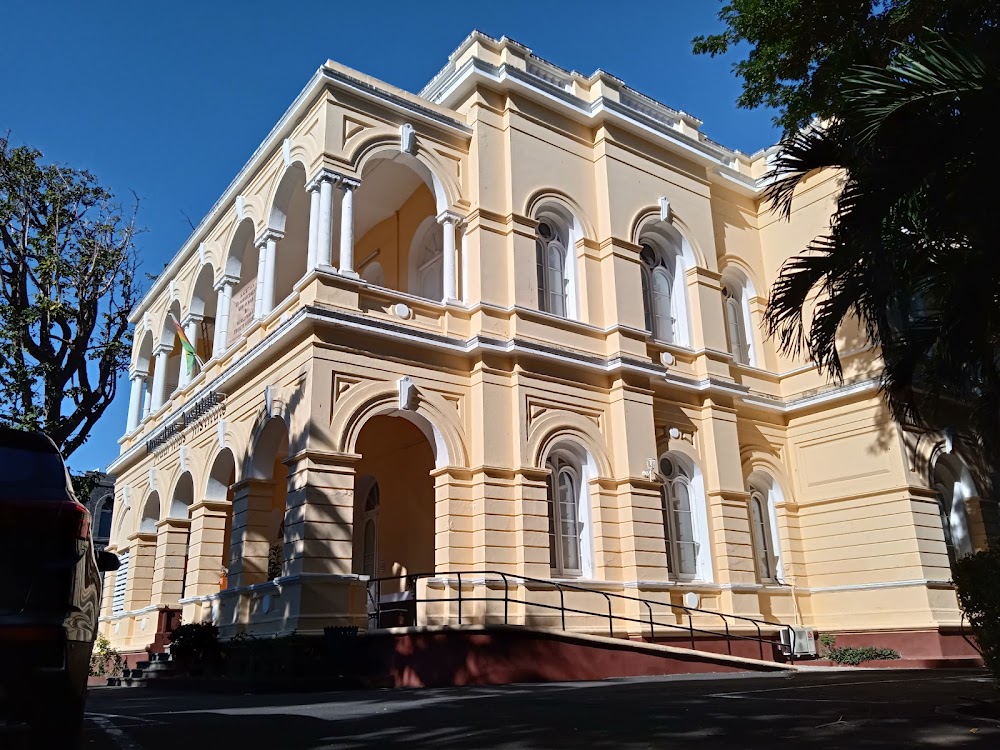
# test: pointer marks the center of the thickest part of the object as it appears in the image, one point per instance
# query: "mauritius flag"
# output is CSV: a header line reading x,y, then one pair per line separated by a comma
x,y
190,355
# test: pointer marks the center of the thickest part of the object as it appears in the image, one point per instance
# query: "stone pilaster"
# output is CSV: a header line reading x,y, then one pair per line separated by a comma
x,y
168,566
253,500
208,549
108,587
319,515
142,554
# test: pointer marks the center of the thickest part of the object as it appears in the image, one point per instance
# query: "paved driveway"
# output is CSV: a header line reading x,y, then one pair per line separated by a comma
x,y
889,709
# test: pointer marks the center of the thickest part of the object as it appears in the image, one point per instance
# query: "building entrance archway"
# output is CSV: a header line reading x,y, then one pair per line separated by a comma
x,y
393,507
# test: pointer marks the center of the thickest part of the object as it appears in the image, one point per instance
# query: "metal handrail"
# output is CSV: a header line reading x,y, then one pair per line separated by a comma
x,y
375,589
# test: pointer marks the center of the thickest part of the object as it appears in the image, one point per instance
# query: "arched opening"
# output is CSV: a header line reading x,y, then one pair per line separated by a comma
x,y
570,469
952,482
556,236
268,464
169,337
765,496
393,204
736,293
144,364
663,261
241,264
393,502
685,521
180,508
290,216
215,562
103,513
150,514
203,310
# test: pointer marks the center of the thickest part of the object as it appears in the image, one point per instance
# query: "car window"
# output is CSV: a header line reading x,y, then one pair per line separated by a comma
x,y
20,466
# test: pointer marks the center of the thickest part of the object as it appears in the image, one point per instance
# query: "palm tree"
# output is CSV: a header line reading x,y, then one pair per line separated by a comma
x,y
912,249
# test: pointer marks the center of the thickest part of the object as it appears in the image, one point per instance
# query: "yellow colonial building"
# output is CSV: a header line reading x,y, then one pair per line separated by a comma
x,y
512,324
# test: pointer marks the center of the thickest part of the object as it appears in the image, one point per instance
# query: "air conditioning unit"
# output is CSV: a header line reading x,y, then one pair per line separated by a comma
x,y
798,641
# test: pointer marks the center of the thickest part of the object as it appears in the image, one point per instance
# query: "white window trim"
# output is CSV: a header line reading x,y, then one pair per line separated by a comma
x,y
585,471
704,572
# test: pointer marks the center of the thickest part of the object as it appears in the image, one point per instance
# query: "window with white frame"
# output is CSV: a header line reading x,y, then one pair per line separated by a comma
x,y
679,519
551,260
369,543
953,485
566,514
430,266
765,557
737,328
658,294
121,582
102,527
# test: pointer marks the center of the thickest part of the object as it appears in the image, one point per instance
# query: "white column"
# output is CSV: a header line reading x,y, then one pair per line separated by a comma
x,y
348,187
190,324
324,232
314,211
147,401
160,377
225,291
464,259
270,269
258,300
138,379
448,220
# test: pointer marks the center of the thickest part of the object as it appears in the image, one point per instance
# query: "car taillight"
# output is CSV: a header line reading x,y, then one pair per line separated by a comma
x,y
77,520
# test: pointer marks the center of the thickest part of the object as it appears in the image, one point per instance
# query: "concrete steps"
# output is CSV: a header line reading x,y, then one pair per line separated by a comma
x,y
157,667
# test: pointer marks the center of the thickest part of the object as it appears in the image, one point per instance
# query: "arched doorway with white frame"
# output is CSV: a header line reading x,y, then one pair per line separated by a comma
x,y
953,487
685,518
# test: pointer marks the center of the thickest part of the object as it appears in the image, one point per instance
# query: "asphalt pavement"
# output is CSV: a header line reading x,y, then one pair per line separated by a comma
x,y
852,709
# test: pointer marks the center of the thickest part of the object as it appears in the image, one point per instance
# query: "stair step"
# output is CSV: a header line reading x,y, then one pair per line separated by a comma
x,y
142,665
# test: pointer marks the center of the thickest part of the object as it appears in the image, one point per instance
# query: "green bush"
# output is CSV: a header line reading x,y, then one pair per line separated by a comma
x,y
104,660
854,655
977,580
196,648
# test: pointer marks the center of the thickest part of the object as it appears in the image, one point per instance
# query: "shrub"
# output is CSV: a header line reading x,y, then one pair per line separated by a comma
x,y
977,580
104,660
854,655
195,647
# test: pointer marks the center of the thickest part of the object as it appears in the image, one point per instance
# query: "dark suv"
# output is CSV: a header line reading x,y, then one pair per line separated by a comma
x,y
50,590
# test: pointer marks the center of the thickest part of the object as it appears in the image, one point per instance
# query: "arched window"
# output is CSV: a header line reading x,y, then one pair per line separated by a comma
x,y
658,294
737,329
953,485
550,258
566,514
373,273
105,510
369,541
763,542
678,519
430,266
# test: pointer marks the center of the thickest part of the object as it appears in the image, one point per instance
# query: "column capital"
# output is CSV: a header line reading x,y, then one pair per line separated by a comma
x,y
162,349
191,318
324,175
230,279
174,524
137,372
267,235
348,183
142,538
449,217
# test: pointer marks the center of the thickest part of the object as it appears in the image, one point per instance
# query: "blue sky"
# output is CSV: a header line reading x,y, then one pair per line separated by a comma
x,y
170,99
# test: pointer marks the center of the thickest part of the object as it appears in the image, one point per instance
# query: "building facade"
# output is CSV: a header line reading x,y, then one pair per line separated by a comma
x,y
512,323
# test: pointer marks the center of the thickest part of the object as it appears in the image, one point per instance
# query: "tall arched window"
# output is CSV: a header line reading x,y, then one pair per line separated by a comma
x,y
102,527
550,258
369,548
678,519
658,294
426,264
953,485
566,514
763,541
737,330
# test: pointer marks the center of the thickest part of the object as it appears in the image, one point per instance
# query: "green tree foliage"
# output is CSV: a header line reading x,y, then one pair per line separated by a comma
x,y
67,284
976,578
799,51
911,249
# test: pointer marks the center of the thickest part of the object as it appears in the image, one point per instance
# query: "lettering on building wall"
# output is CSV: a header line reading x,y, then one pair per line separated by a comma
x,y
196,412
241,310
